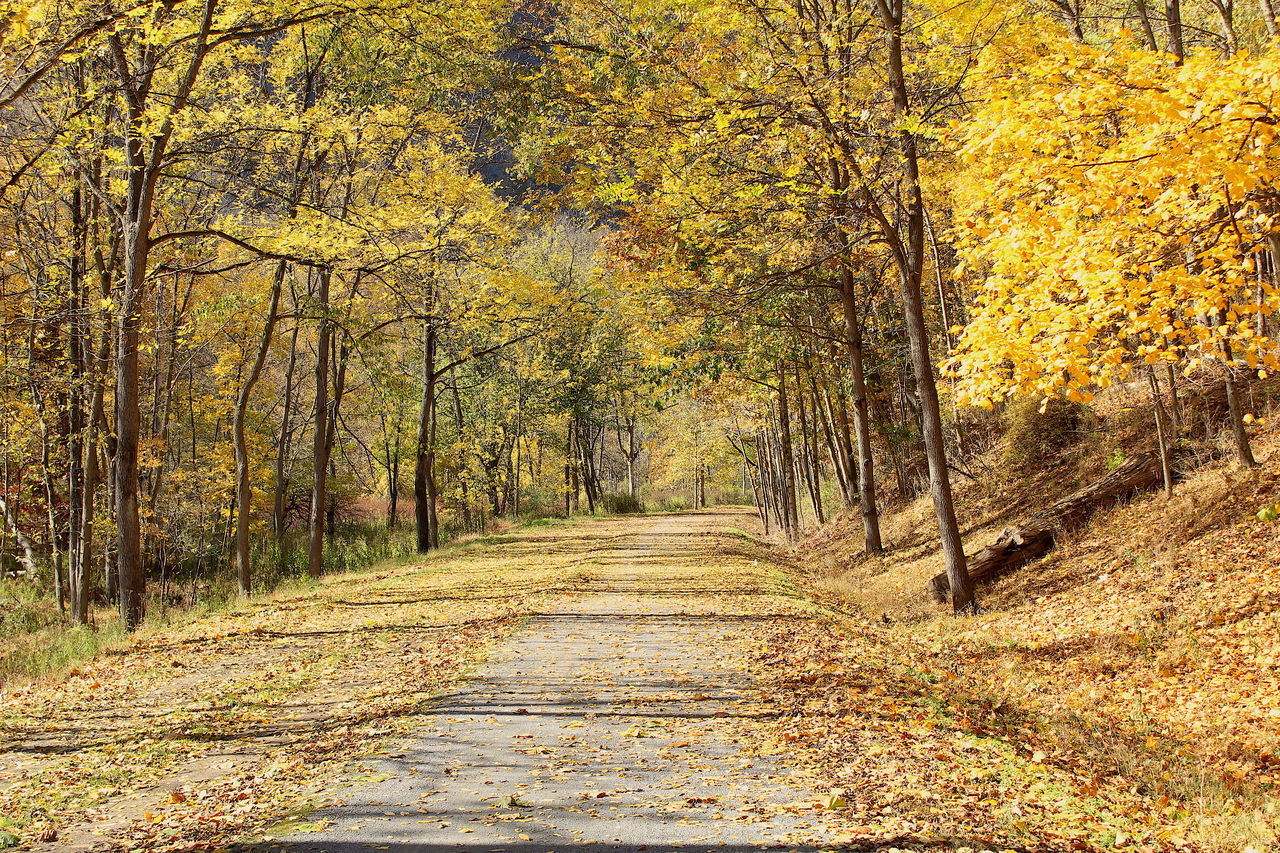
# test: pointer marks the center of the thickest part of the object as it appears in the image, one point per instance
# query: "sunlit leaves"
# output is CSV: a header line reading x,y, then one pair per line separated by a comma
x,y
1110,213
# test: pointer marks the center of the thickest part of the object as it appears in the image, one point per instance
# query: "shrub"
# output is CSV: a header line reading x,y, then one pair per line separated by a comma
x,y
1032,435
353,546
538,502
732,496
623,504
35,637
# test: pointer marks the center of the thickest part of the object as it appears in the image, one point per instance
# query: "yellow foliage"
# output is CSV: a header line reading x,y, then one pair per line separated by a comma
x,y
1108,215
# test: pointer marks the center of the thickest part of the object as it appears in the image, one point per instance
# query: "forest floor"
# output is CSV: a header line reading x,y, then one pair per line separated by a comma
x,y
647,683
1145,648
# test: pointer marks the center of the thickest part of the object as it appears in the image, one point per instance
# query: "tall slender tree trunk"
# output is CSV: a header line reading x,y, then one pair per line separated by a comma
x,y
515,458
393,482
339,367
28,559
777,477
1269,16
144,159
1162,438
840,460
279,508
570,485
56,540
110,569
1175,403
845,438
762,477
788,461
320,438
1235,411
808,452
764,470
462,479
586,451
861,416
424,485
84,556
79,416
94,456
909,257
1230,39
131,580
750,469
244,488
631,462
1144,20
1173,18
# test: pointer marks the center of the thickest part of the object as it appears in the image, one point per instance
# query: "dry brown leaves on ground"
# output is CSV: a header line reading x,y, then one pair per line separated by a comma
x,y
230,722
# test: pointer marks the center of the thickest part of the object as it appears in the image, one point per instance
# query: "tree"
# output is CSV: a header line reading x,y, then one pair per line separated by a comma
x,y
1126,203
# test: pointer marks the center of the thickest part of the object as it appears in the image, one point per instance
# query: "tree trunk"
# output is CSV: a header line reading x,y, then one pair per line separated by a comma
x,y
110,571
1162,438
787,458
279,508
82,436
424,485
1230,40
1175,404
909,257
514,471
840,460
393,481
1144,20
320,438
1269,16
631,459
462,479
95,458
570,485
762,476
845,440
28,559
1030,539
590,483
872,543
1173,15
84,556
808,452
244,489
331,433
131,580
1244,453
56,544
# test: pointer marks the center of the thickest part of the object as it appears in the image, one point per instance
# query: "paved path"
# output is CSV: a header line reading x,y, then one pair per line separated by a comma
x,y
618,722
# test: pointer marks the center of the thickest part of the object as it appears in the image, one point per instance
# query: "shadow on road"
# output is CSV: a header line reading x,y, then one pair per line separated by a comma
x,y
888,845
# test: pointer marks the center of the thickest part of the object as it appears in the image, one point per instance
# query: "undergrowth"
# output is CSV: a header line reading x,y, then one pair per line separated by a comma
x,y
36,640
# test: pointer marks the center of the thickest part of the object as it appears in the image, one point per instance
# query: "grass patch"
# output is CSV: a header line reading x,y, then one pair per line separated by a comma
x,y
36,640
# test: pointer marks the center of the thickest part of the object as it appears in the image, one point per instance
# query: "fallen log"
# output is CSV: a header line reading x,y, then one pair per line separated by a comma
x,y
1035,537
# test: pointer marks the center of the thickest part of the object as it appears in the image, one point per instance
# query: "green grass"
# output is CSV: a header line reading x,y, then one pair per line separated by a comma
x,y
36,640
34,637
352,547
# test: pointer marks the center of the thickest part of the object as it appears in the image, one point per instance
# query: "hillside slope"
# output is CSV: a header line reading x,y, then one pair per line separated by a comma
x,y
1146,645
